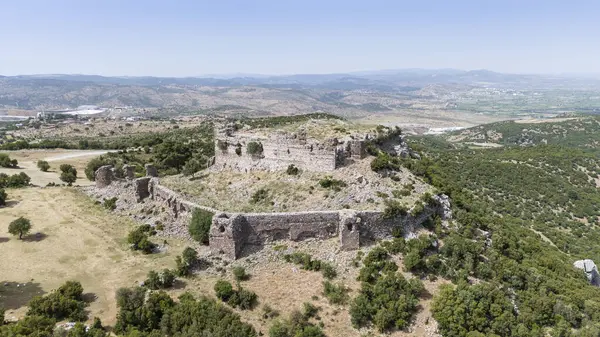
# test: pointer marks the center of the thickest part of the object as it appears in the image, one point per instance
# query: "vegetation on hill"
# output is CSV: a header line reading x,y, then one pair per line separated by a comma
x,y
524,215
172,152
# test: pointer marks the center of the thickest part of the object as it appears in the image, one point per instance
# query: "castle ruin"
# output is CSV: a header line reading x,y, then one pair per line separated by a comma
x,y
230,232
247,151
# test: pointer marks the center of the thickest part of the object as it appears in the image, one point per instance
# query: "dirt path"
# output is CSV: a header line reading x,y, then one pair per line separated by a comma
x,y
75,155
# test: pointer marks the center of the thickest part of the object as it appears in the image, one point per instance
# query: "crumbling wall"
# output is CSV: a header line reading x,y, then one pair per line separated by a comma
x,y
230,232
278,153
104,176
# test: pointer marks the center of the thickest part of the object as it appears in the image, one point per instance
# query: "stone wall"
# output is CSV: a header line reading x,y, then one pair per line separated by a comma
x,y
281,150
230,232
277,154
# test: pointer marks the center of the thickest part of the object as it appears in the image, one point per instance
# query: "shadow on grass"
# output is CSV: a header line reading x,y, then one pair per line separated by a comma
x,y
179,284
11,203
14,295
89,297
37,237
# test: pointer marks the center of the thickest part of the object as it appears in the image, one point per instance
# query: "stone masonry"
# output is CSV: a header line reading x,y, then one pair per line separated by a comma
x,y
281,150
230,232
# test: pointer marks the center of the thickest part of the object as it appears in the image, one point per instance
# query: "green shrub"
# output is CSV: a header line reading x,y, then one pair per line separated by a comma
x,y
223,290
307,263
260,195
139,239
5,161
14,181
111,203
199,227
244,299
297,325
336,294
3,197
64,303
393,209
254,148
292,170
155,281
239,273
269,312
186,262
43,165
334,184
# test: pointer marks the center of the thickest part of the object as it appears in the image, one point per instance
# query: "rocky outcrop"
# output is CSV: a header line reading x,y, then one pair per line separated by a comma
x,y
591,271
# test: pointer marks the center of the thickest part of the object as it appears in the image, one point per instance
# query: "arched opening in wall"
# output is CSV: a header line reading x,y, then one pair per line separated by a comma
x,y
350,227
221,229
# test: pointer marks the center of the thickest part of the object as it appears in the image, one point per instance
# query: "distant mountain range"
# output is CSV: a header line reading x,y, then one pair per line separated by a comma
x,y
350,94
367,79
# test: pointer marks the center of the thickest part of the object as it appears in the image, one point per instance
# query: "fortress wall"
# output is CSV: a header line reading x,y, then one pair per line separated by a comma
x,y
278,154
230,232
295,226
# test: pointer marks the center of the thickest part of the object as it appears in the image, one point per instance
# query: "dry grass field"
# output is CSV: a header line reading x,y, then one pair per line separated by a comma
x,y
82,241
28,163
233,191
79,241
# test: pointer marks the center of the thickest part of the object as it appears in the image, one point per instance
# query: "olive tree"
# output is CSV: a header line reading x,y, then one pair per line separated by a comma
x,y
19,227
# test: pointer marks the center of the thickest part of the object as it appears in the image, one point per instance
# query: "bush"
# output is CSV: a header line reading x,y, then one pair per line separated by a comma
x,y
186,262
241,298
158,315
111,203
238,150
5,161
199,227
336,294
139,239
14,181
244,299
223,290
3,197
66,302
43,165
394,209
292,170
297,325
254,148
334,184
239,273
260,195
307,263
155,281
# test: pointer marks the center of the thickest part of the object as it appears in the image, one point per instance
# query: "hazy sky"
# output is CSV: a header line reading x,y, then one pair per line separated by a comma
x,y
195,37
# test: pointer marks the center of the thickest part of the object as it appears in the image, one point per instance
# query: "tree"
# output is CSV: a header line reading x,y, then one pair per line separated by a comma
x,y
199,227
19,227
43,165
68,174
3,197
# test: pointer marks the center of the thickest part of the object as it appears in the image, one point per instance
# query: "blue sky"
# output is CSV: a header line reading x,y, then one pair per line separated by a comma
x,y
191,38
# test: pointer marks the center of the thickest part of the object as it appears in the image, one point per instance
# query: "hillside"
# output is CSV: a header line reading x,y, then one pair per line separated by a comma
x,y
532,206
